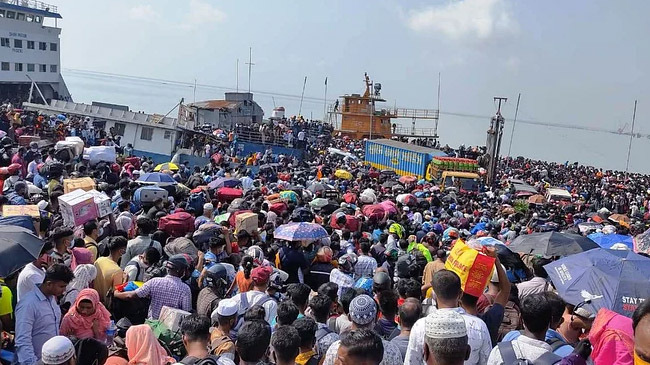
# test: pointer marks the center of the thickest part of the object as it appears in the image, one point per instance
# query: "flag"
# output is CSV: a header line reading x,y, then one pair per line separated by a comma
x,y
325,81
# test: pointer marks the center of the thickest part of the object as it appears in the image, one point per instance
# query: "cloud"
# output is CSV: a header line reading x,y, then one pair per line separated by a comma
x,y
201,13
465,20
143,12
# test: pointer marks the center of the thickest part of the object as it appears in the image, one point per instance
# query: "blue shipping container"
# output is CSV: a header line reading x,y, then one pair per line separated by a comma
x,y
403,158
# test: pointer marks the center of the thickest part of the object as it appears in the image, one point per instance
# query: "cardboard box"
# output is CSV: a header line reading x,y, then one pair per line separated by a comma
x,y
102,201
84,183
247,222
172,317
77,208
12,210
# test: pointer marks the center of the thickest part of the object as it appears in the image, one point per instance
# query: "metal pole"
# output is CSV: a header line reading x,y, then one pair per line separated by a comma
x,y
372,110
250,65
435,128
629,147
302,96
512,133
237,76
325,101
195,90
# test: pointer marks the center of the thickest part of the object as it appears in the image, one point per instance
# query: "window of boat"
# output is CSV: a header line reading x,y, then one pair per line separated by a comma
x,y
2,13
18,67
4,42
42,68
119,129
18,43
11,15
37,19
53,68
54,47
42,46
146,134
21,16
30,44
30,17
168,135
4,66
30,67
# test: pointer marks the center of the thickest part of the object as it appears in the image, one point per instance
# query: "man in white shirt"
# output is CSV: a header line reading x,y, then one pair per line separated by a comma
x,y
363,314
257,296
531,345
447,289
537,284
33,273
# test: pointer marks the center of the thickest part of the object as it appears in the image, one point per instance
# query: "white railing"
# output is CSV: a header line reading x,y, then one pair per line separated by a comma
x,y
33,4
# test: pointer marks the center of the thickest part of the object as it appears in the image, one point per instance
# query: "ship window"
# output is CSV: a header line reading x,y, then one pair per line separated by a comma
x,y
2,13
21,16
4,42
42,68
18,66
11,15
37,19
30,67
53,47
168,135
30,17
5,66
42,46
18,43
53,68
30,44
119,129
147,133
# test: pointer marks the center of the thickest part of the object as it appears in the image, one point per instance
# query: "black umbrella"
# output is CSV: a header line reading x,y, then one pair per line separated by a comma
x,y
18,247
552,244
390,183
316,187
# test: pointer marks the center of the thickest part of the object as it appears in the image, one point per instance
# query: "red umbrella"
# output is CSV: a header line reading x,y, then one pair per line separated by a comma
x,y
350,197
408,179
374,211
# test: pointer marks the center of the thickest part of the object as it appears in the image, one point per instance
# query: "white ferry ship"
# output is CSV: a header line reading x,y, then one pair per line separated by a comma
x,y
30,51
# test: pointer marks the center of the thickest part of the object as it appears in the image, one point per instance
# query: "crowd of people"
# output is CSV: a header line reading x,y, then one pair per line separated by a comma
x,y
375,290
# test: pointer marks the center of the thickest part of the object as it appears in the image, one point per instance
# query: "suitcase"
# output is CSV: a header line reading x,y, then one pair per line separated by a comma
x,y
148,194
177,224
228,194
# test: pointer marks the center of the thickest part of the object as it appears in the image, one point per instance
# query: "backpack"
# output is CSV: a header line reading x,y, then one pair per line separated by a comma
x,y
322,332
244,306
154,271
137,266
177,224
508,356
511,317
209,360
196,201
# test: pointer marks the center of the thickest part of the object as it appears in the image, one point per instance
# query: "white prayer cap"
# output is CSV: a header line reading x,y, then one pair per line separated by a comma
x,y
445,323
226,308
57,350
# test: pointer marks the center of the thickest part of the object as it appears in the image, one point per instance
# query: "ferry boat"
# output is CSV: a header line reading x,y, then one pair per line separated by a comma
x,y
30,52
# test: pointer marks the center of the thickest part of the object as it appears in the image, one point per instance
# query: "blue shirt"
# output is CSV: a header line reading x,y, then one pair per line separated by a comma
x,y
38,319
563,351
40,181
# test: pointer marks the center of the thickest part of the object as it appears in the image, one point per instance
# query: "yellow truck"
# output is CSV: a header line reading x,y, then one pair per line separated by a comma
x,y
464,182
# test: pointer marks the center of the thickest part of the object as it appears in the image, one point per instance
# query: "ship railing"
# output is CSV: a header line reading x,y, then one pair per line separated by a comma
x,y
415,132
34,4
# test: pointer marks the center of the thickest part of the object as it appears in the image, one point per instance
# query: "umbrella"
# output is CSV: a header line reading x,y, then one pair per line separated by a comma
x,y
342,174
619,218
301,231
289,195
607,278
389,206
157,178
316,187
374,211
389,183
589,226
18,247
408,179
608,240
319,202
536,199
489,241
228,182
237,204
552,244
166,166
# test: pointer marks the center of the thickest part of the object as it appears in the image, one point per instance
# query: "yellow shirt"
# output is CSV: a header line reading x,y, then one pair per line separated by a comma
x,y
5,301
91,245
107,272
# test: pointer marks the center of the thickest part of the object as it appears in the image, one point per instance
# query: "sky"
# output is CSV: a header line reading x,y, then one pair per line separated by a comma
x,y
578,63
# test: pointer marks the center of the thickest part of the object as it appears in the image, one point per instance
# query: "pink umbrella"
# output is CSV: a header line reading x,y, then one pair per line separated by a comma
x,y
389,206
408,179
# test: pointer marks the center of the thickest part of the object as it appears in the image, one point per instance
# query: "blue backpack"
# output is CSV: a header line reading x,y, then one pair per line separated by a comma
x,y
196,201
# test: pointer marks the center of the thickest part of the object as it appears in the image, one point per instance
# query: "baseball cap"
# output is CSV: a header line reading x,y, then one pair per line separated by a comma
x,y
261,274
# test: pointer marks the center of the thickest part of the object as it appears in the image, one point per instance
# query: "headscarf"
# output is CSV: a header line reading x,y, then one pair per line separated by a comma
x,y
75,323
143,347
80,256
324,255
83,275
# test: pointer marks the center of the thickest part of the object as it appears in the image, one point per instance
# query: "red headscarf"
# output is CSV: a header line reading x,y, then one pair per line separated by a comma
x,y
81,326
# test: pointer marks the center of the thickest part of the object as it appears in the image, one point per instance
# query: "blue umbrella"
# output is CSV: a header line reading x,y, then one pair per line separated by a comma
x,y
613,279
300,232
608,240
156,178
224,182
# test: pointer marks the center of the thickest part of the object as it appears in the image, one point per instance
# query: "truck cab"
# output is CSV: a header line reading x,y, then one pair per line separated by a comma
x,y
464,182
